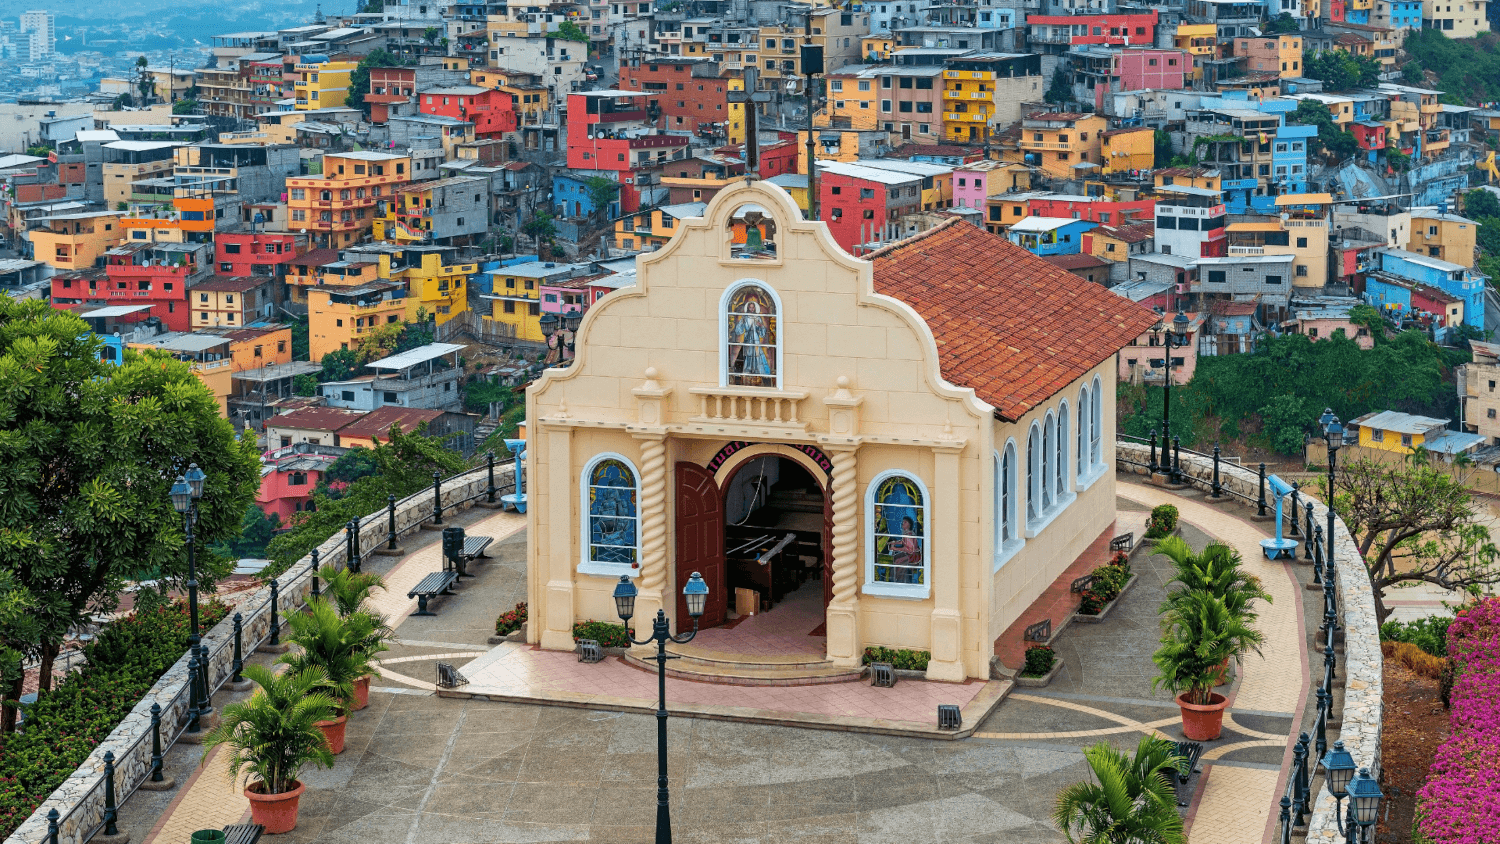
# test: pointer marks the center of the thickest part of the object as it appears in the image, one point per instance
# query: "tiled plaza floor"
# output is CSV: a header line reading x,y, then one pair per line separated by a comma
x,y
420,768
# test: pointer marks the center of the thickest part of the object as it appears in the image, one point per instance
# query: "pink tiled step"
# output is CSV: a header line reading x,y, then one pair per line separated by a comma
x,y
753,673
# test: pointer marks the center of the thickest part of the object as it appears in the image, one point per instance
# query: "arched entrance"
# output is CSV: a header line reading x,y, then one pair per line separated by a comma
x,y
773,520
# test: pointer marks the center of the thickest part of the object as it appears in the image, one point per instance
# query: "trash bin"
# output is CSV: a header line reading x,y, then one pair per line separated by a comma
x,y
208,836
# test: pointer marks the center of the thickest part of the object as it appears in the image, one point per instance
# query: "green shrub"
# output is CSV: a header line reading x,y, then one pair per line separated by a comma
x,y
901,658
66,724
1039,660
1430,634
510,622
1162,522
606,634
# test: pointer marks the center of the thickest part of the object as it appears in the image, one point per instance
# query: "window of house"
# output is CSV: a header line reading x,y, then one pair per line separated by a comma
x,y
1007,536
1406,440
897,537
752,341
1377,435
610,536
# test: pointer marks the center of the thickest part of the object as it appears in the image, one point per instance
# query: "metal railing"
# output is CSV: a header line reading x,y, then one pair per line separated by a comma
x,y
220,662
1171,462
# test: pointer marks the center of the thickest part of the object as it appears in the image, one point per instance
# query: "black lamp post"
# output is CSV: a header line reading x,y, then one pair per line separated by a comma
x,y
1333,437
696,592
1176,338
565,329
185,494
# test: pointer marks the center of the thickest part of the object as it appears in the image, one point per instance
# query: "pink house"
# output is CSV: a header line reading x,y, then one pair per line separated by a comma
x,y
1098,71
1145,359
289,475
976,181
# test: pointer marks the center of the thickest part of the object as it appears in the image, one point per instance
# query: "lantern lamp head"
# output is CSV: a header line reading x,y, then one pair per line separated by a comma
x,y
625,593
696,592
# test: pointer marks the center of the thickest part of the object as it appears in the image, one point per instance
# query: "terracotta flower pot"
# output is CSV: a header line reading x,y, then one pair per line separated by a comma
x,y
333,732
1202,722
276,812
361,693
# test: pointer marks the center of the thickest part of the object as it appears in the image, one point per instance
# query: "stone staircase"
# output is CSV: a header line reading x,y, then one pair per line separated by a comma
x,y
731,670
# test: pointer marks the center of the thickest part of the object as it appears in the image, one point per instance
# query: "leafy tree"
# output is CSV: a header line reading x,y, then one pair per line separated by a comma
x,y
359,78
601,191
305,384
1162,144
1330,136
144,82
1340,70
378,344
357,463
1415,522
480,393
1398,160
340,365
91,450
300,339
1282,23
39,150
540,226
1131,800
256,529
185,105
404,465
1481,203
1411,73
417,333
1468,69
569,31
1285,422
431,34
19,637
1059,91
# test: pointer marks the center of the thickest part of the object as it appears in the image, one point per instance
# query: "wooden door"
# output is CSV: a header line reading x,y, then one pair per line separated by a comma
x,y
700,543
828,545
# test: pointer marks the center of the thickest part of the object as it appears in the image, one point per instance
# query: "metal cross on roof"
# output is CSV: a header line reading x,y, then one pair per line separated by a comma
x,y
748,98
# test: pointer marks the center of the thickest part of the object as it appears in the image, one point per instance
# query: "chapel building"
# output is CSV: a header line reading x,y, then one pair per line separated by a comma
x,y
901,450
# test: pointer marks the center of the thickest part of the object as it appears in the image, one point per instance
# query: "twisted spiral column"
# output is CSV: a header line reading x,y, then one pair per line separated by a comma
x,y
653,514
845,528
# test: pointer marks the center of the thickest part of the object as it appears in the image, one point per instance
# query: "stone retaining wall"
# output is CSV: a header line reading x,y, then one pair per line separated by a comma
x,y
1361,667
80,799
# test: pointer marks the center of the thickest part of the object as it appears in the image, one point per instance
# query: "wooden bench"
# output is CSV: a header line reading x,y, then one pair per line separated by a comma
x,y
1192,752
243,833
433,585
474,548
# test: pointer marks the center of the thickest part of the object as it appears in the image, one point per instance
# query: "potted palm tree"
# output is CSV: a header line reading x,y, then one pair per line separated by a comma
x,y
338,647
271,737
1132,801
1200,634
1219,571
348,591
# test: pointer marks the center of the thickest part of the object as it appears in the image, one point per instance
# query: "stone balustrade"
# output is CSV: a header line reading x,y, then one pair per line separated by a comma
x,y
1362,665
80,799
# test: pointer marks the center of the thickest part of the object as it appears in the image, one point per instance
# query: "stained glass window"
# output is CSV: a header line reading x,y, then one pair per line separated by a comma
x,y
612,513
750,357
900,539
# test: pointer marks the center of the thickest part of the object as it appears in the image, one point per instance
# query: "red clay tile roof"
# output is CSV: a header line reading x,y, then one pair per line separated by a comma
x,y
378,422
1009,325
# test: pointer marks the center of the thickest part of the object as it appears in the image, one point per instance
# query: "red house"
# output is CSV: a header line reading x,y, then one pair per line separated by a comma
x,y
860,203
264,254
490,111
610,130
688,93
389,86
153,274
1369,135
1094,210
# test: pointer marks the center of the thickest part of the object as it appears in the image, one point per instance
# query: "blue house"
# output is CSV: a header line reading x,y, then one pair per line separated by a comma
x,y
1406,14
1453,279
1256,193
570,196
1049,235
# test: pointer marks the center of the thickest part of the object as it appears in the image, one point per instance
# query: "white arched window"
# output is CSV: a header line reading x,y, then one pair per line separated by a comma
x,y
1033,489
1060,488
750,330
1096,426
610,519
1085,414
1049,438
897,532
1007,531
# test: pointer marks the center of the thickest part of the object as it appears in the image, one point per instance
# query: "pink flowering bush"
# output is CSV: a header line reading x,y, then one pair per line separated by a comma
x,y
1460,804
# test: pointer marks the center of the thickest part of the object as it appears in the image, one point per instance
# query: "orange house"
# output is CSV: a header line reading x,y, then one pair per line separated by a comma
x,y
338,207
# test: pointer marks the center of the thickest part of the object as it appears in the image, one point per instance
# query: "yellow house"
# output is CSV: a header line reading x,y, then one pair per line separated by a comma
x,y
648,231
853,102
1005,210
434,285
968,102
1201,40
1448,237
880,45
1401,433
515,300
898,469
323,84
340,317
1056,141
75,241
735,133
1120,243
1124,150
1207,178
795,184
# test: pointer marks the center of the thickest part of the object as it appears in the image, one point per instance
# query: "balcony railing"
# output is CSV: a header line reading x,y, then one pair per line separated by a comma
x,y
1246,250
965,116
749,405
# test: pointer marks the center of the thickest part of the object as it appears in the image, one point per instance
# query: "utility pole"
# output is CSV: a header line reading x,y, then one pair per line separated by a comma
x,y
751,98
812,65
